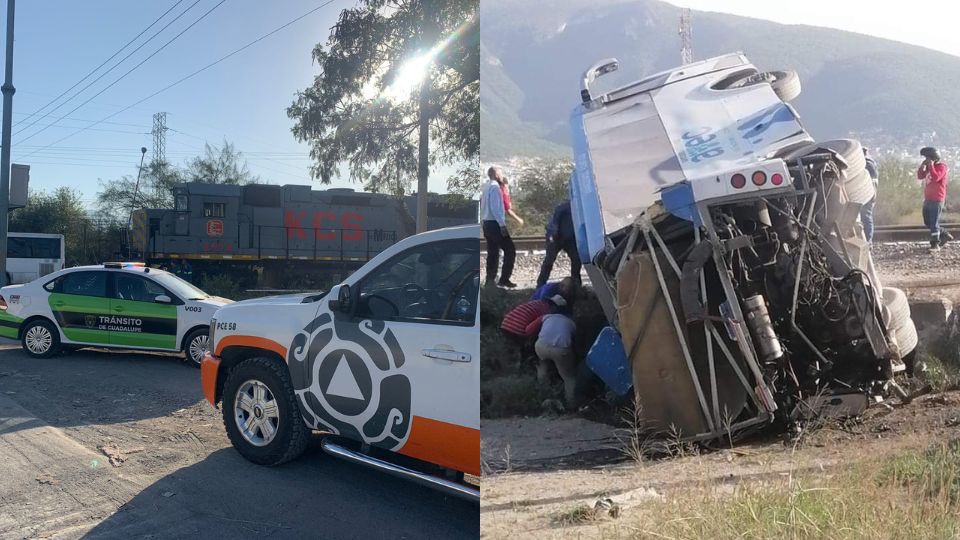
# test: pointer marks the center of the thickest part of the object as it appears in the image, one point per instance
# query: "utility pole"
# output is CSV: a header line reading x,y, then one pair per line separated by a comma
x,y
8,91
133,201
431,33
686,37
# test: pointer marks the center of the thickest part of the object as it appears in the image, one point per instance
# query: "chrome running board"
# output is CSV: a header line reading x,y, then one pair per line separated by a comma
x,y
452,488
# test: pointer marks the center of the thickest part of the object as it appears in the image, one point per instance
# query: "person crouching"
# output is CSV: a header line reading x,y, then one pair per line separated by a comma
x,y
555,345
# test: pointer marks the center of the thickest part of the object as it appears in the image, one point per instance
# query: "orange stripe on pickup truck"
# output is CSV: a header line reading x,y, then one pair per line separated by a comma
x,y
449,445
251,341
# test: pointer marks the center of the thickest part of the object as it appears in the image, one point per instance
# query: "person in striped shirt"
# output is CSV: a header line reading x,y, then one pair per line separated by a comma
x,y
523,321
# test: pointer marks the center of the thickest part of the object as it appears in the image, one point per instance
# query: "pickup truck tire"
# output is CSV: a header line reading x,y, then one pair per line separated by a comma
x,y
40,339
291,435
786,84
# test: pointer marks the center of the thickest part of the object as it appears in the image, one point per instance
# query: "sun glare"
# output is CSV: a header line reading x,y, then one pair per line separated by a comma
x,y
409,76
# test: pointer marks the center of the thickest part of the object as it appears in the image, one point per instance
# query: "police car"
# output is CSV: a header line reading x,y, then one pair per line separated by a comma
x,y
116,305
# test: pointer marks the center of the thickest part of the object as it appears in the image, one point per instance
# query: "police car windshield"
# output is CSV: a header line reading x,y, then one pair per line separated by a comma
x,y
178,286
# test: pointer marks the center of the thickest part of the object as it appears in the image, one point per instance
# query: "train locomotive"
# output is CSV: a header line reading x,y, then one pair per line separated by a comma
x,y
282,236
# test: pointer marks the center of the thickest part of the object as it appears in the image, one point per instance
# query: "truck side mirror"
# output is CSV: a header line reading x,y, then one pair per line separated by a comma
x,y
344,301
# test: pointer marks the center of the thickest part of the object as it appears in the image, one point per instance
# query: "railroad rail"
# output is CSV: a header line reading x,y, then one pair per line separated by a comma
x,y
883,233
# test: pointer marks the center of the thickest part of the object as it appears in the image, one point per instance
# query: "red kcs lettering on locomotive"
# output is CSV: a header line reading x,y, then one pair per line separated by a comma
x,y
328,234
351,223
293,223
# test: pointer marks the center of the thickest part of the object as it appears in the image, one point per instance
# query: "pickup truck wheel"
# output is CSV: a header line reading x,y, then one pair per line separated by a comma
x,y
40,339
260,413
195,345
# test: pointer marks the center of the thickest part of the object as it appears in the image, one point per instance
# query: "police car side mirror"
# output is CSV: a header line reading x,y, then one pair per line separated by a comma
x,y
163,299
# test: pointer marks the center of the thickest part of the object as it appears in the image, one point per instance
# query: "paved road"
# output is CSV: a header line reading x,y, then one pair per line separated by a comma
x,y
174,473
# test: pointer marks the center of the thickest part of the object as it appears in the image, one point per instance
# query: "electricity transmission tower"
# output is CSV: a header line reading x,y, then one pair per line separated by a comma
x,y
159,133
686,41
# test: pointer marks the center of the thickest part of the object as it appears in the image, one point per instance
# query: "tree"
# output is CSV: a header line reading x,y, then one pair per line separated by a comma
x,y
540,185
466,181
398,78
60,212
120,196
220,165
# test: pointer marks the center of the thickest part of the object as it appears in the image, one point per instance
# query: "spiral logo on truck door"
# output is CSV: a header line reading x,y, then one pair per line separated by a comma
x,y
348,379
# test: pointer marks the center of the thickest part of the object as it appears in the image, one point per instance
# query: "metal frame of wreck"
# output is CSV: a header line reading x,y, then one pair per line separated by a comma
x,y
760,395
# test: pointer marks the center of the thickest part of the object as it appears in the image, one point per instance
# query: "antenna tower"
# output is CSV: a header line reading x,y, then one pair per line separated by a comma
x,y
159,133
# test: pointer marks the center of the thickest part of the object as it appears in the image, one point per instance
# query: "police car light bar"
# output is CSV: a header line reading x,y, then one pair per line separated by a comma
x,y
124,265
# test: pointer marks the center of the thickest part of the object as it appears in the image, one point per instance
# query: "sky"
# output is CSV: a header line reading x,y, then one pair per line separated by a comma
x,y
242,100
919,22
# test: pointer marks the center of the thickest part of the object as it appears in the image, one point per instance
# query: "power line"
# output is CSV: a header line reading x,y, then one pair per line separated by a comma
x,y
131,70
104,74
75,119
114,55
195,73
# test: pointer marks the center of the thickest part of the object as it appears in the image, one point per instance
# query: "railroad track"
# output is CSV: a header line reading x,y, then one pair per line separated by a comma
x,y
885,233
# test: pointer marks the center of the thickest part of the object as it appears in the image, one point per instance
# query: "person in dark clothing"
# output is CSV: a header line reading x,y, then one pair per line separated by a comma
x,y
866,211
560,237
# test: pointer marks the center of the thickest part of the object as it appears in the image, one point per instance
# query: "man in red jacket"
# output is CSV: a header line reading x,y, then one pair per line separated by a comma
x,y
933,173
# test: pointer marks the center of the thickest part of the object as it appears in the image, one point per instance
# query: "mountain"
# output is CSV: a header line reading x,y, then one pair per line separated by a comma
x,y
533,53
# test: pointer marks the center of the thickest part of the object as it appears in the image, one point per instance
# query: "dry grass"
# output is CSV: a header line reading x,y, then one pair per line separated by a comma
x,y
913,495
577,515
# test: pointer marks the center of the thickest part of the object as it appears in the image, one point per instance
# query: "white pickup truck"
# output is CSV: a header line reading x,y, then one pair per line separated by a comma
x,y
386,365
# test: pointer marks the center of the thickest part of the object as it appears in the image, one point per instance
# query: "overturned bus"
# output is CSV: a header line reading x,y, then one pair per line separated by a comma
x,y
725,246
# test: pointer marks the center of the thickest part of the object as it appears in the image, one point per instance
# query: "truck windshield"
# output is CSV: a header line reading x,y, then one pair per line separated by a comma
x,y
178,286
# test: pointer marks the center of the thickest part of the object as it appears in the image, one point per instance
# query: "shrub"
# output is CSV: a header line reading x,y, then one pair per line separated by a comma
x,y
221,285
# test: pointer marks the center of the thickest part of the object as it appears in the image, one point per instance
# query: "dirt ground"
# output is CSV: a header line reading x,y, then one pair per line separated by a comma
x,y
536,468
122,445
529,482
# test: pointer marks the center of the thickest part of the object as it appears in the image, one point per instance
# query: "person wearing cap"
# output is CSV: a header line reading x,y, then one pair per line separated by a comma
x,y
933,173
866,211
555,345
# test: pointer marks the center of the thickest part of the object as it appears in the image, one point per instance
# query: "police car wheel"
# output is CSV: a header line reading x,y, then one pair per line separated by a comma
x,y
40,339
261,414
195,345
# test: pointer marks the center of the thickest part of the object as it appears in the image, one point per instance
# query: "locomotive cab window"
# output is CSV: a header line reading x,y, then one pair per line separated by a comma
x,y
214,210
180,202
